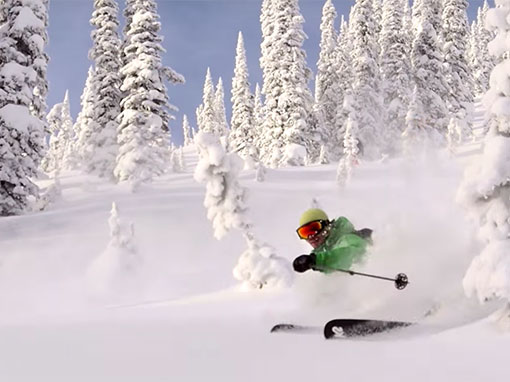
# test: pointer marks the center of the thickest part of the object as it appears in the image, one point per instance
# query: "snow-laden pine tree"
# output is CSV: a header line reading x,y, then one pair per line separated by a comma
x,y
434,7
52,161
328,91
143,133
417,133
482,62
225,201
219,107
456,68
86,123
40,58
366,78
427,66
242,124
60,155
486,187
105,52
343,67
289,121
258,116
186,131
351,145
22,42
68,153
395,68
207,118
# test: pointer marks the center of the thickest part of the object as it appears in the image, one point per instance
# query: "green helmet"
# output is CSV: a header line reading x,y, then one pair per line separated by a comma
x,y
311,215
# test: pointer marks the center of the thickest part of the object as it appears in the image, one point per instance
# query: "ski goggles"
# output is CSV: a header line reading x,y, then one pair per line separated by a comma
x,y
311,229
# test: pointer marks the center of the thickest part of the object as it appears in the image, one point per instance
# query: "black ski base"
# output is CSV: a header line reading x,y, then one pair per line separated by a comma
x,y
348,328
343,328
282,328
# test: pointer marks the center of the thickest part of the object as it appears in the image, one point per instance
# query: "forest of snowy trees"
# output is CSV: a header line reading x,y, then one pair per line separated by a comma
x,y
390,77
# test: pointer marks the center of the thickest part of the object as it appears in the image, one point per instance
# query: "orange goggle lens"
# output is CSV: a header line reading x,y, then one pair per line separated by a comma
x,y
310,229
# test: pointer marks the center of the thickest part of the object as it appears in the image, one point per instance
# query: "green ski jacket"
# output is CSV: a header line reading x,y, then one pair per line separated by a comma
x,y
342,247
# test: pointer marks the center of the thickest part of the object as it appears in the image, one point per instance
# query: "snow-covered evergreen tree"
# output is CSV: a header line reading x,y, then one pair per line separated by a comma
x,y
457,72
366,78
207,118
242,124
219,107
258,116
417,133
143,133
226,206
86,124
40,58
427,64
328,91
186,131
60,155
351,143
486,187
116,269
105,52
344,71
52,161
289,120
22,42
482,62
395,68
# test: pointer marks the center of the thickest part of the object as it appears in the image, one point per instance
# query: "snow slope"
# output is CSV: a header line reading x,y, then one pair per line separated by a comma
x,y
185,318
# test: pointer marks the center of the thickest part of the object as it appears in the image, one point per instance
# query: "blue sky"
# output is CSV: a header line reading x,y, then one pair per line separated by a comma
x,y
197,34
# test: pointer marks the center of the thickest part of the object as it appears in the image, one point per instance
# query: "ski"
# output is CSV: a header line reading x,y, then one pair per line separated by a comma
x,y
292,328
349,328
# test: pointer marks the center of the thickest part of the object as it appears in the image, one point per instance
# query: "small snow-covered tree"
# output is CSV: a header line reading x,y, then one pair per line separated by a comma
x,y
22,42
258,117
351,143
207,118
86,124
219,107
416,134
143,133
105,53
115,270
226,206
486,187
186,131
242,137
60,154
51,161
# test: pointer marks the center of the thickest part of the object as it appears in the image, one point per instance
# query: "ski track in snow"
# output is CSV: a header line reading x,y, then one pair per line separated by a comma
x,y
187,319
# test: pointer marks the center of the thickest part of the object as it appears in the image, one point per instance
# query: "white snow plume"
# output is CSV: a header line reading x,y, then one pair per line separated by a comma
x,y
114,273
417,231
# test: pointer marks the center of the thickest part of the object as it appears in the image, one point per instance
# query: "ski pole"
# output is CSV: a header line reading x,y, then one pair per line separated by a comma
x,y
401,280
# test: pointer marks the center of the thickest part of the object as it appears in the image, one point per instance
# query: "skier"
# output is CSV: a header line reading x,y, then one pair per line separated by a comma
x,y
336,244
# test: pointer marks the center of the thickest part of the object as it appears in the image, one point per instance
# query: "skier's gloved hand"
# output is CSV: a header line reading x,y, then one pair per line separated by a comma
x,y
303,263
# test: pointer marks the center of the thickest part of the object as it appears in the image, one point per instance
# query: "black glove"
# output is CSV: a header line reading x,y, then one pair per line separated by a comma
x,y
303,263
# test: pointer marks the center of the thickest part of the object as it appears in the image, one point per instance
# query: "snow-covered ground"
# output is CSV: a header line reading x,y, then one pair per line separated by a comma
x,y
181,316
